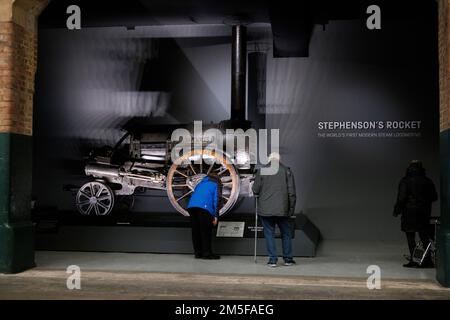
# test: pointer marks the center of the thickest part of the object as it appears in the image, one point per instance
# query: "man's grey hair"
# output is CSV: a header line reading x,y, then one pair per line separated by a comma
x,y
274,156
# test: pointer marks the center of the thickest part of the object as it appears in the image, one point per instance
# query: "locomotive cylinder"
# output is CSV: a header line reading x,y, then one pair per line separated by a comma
x,y
100,171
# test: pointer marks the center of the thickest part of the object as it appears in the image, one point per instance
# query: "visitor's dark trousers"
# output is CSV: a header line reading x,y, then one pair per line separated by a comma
x,y
411,238
202,225
269,234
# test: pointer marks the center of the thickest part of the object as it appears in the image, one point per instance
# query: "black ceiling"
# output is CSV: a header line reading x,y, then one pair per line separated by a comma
x,y
291,20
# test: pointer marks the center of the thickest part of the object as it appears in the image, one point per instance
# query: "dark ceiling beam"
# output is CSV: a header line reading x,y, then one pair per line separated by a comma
x,y
292,25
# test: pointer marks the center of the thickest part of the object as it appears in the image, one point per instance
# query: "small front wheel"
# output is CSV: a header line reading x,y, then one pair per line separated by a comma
x,y
95,197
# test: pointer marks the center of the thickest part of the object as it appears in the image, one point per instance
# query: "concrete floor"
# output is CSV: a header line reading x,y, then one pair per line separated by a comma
x,y
40,284
338,272
334,259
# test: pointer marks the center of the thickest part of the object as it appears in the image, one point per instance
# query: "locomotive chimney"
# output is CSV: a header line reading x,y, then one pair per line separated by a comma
x,y
238,72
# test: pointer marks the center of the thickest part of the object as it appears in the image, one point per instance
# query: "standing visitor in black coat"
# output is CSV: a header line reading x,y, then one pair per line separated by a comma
x,y
416,192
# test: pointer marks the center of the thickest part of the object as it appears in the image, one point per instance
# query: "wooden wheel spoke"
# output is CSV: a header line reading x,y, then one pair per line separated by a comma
x,y
190,166
102,205
185,195
103,198
179,185
85,194
99,192
210,168
85,202
89,209
222,171
180,173
91,188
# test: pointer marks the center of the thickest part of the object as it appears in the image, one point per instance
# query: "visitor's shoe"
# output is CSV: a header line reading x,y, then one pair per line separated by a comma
x,y
411,264
426,264
211,257
198,256
289,262
272,264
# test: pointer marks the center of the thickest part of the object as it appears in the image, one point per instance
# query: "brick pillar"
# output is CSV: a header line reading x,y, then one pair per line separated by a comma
x,y
443,237
18,45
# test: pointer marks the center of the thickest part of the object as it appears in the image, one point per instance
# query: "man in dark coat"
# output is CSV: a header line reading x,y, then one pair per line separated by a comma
x,y
416,192
276,203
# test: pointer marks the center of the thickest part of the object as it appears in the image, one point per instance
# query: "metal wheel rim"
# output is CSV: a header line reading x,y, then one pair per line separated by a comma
x,y
220,160
95,197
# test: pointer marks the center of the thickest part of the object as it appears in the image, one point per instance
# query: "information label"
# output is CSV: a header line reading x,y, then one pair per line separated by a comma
x,y
230,229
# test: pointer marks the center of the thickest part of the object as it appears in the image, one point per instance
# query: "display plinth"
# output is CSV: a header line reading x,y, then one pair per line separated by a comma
x,y
170,239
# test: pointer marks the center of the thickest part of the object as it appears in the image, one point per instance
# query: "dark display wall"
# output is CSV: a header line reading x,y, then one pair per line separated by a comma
x,y
91,81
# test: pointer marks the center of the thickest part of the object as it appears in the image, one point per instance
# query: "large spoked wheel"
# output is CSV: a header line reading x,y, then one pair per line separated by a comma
x,y
95,198
188,170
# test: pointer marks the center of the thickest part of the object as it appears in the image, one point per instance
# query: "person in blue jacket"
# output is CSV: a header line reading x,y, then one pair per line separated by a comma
x,y
203,211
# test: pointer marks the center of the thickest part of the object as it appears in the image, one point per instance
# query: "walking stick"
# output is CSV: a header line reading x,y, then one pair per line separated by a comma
x,y
256,226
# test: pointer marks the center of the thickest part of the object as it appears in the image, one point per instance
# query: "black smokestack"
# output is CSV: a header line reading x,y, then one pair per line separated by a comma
x,y
238,72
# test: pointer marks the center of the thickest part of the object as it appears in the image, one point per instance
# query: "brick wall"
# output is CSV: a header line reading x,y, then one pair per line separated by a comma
x,y
17,70
444,65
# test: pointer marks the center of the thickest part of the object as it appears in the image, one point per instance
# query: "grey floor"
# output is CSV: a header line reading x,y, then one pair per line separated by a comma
x,y
334,259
